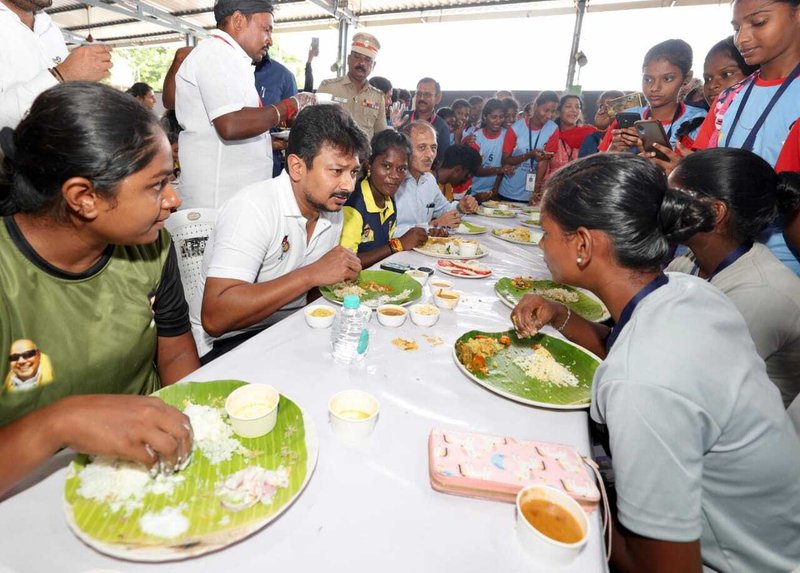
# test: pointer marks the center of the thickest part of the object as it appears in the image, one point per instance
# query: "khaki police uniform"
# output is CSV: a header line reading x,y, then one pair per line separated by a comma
x,y
366,106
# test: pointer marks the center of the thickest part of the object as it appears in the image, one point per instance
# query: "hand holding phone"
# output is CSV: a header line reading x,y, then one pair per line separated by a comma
x,y
627,119
651,131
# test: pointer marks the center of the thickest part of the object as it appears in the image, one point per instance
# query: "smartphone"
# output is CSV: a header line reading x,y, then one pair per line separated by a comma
x,y
651,131
627,119
395,267
315,43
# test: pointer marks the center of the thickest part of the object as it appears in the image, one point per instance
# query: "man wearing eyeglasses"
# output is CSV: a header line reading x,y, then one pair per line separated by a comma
x,y
354,92
29,368
427,97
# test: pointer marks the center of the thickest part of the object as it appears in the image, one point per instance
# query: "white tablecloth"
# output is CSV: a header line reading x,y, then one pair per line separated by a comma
x,y
368,507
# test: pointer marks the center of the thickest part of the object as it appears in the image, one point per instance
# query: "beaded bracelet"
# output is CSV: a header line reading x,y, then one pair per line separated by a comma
x,y
395,245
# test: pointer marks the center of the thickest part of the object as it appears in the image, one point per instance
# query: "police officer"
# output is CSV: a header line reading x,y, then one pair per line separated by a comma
x,y
364,102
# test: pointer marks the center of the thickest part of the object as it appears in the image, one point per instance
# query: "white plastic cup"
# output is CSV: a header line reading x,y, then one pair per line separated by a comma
x,y
546,550
468,249
353,414
243,407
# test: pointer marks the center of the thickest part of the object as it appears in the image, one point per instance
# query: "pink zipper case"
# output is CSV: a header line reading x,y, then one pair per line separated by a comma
x,y
496,467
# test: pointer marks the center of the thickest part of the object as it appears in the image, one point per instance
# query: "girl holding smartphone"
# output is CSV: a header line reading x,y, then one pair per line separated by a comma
x,y
667,67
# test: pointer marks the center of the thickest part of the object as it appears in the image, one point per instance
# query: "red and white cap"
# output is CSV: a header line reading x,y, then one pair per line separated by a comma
x,y
365,44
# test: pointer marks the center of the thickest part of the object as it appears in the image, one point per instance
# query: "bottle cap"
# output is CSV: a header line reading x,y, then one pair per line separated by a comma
x,y
351,301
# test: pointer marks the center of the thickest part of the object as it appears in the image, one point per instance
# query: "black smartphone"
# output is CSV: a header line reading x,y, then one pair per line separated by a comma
x,y
627,119
395,267
651,131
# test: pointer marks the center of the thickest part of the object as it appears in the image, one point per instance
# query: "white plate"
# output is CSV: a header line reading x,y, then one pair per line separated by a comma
x,y
534,242
530,225
166,552
520,399
490,213
448,271
483,252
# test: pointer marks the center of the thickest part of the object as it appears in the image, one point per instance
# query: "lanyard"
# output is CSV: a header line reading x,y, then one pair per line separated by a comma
x,y
731,258
564,146
534,146
751,138
678,112
627,312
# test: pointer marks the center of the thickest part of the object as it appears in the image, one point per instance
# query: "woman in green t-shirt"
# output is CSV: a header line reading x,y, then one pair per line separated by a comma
x,y
91,302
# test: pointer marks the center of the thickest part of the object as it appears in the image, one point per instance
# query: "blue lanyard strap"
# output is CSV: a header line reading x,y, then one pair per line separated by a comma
x,y
751,138
627,312
535,145
731,258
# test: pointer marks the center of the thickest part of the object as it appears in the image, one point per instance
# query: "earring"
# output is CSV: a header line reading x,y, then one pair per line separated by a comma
x,y
579,260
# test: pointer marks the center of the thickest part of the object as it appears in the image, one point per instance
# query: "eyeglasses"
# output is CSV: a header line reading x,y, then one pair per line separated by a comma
x,y
27,355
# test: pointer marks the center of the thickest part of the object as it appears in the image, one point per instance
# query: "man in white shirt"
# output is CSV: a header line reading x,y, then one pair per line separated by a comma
x,y
34,57
276,240
419,201
225,144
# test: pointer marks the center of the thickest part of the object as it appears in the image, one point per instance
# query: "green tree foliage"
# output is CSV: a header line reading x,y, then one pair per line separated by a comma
x,y
151,63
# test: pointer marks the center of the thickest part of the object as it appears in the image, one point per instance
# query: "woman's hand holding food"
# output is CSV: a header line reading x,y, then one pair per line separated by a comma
x,y
533,312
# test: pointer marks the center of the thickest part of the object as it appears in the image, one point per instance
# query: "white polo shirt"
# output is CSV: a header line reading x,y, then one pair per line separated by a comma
x,y
260,235
25,57
217,78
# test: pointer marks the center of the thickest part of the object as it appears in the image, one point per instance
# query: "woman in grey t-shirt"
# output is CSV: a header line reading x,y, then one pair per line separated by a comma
x,y
747,196
705,459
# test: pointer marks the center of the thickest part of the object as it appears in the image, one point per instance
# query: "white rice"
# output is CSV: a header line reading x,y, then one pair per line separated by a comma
x,y
167,524
546,369
212,435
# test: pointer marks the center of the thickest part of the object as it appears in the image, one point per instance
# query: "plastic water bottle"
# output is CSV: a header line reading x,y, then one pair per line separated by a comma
x,y
349,335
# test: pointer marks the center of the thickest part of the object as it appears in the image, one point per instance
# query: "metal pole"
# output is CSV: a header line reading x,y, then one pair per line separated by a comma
x,y
342,50
576,40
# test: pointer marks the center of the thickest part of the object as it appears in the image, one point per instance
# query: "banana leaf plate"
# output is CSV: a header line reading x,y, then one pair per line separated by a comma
x,y
117,530
507,379
465,228
380,287
587,304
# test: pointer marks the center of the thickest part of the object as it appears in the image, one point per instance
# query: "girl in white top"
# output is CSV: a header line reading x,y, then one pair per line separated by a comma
x,y
705,458
747,195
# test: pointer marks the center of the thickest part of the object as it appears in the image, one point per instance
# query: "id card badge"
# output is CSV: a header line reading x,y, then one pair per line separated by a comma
x,y
530,182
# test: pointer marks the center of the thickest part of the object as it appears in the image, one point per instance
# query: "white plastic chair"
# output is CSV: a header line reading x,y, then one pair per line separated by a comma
x,y
794,416
191,230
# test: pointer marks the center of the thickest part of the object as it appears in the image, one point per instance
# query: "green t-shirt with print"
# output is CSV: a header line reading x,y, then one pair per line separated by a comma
x,y
91,333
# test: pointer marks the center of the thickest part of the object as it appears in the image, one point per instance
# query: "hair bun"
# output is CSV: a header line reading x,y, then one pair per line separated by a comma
x,y
681,215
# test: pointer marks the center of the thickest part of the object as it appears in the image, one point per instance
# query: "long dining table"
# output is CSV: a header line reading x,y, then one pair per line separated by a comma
x,y
369,506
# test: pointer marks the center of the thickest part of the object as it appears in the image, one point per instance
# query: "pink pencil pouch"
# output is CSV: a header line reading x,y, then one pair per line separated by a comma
x,y
496,467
